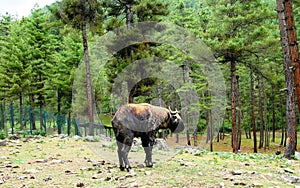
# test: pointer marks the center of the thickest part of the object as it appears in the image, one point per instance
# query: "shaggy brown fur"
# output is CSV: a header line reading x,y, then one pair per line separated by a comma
x,y
141,120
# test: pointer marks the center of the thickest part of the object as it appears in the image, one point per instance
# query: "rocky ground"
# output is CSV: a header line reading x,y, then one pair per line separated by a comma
x,y
60,161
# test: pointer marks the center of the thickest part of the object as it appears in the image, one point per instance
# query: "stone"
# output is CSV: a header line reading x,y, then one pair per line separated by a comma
x,y
76,137
236,172
147,173
80,184
292,179
3,143
240,183
256,184
22,177
40,161
30,171
288,170
222,184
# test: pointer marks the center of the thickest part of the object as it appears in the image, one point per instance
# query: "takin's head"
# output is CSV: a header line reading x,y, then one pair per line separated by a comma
x,y
175,123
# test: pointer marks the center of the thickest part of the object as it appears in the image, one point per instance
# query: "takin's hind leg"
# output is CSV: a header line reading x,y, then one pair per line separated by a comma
x,y
147,145
148,160
120,156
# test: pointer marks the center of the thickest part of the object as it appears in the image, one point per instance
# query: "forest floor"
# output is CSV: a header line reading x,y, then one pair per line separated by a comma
x,y
73,162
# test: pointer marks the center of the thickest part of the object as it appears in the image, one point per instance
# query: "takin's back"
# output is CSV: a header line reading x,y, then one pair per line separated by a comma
x,y
141,117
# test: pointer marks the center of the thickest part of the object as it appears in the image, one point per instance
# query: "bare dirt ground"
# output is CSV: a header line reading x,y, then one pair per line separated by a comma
x,y
69,162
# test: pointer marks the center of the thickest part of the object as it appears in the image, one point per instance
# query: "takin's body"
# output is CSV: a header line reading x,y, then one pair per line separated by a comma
x,y
142,120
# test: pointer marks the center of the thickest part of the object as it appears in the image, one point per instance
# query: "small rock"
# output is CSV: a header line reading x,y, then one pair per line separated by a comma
x,y
89,138
3,143
190,164
1,182
256,184
108,178
69,172
22,177
56,161
39,147
76,137
147,173
130,174
236,172
288,170
292,179
40,161
30,171
80,185
106,144
222,184
140,166
47,179
247,164
240,183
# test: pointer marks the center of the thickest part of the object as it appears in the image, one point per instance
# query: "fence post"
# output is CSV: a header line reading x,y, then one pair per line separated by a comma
x,y
12,118
45,122
69,124
2,116
30,120
76,127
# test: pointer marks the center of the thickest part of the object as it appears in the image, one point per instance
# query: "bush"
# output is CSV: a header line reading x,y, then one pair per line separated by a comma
x,y
2,135
39,132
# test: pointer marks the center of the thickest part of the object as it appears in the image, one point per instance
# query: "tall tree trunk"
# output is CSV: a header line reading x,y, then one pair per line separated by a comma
x,y
261,116
295,62
233,107
252,111
58,118
211,130
274,119
266,120
284,26
41,117
88,79
282,122
239,120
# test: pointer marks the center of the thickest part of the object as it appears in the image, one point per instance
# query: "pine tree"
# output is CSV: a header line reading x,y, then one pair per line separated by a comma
x,y
80,14
235,31
43,46
15,70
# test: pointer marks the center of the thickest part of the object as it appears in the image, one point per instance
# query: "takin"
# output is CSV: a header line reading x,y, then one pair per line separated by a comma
x,y
142,120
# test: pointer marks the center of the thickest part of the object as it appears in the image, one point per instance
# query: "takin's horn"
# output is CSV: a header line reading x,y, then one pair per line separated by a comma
x,y
173,112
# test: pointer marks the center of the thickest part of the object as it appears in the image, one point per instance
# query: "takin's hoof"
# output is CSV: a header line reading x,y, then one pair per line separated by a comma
x,y
122,168
149,164
128,168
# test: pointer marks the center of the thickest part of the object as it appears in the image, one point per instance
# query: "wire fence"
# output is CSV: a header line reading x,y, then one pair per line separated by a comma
x,y
33,121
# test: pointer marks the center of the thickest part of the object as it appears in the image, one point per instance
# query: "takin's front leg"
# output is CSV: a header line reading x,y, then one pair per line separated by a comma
x,y
147,144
